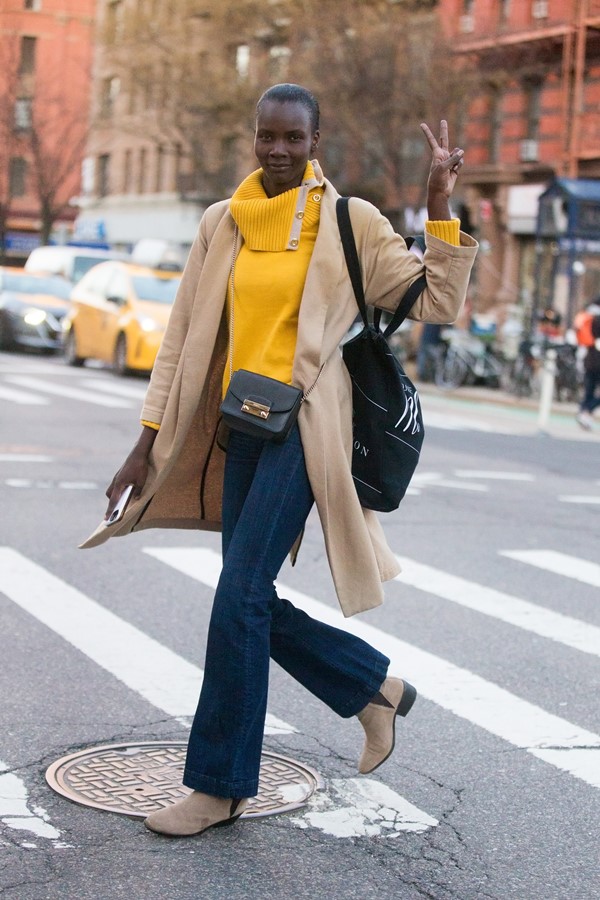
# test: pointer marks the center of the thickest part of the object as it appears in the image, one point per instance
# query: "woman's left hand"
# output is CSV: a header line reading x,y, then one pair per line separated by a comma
x,y
445,164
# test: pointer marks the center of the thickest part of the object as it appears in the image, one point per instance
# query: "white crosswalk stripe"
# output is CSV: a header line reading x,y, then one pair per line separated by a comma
x,y
558,563
137,392
548,737
60,390
24,398
528,616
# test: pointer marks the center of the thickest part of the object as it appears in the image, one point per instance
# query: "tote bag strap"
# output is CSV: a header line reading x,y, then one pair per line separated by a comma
x,y
353,263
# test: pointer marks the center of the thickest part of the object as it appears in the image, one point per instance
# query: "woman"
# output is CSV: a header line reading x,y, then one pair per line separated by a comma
x,y
291,300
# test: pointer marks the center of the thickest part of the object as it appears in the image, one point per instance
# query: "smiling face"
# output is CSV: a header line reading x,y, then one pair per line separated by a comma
x,y
283,143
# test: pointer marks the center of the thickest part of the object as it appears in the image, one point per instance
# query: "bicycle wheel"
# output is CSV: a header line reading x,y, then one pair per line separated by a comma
x,y
451,371
521,378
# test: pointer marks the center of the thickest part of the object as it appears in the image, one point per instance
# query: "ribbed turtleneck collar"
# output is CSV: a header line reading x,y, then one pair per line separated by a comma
x,y
274,223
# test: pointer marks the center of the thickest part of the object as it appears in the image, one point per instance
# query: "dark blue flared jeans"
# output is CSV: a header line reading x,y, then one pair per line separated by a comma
x,y
266,500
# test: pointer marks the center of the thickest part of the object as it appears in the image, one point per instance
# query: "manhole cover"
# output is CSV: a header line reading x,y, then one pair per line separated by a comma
x,y
137,779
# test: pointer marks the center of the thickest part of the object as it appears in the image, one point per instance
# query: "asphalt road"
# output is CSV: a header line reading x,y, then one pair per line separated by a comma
x,y
493,790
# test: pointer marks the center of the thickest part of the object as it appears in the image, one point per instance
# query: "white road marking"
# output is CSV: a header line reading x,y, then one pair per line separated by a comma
x,y
559,564
114,387
161,677
579,498
21,397
496,476
556,741
25,457
436,479
449,422
73,393
460,485
44,485
520,613
15,812
361,807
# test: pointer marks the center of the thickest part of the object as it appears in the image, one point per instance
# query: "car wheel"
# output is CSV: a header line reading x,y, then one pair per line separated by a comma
x,y
70,351
120,356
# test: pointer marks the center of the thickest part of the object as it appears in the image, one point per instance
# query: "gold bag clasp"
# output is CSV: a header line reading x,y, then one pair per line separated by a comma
x,y
256,409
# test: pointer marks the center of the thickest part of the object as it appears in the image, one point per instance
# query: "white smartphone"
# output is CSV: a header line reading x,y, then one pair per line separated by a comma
x,y
117,513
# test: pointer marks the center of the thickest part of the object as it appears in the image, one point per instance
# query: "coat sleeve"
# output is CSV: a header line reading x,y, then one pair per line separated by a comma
x,y
389,268
176,332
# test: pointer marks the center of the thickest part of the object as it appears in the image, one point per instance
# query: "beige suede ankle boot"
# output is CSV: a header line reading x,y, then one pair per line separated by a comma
x,y
394,698
195,814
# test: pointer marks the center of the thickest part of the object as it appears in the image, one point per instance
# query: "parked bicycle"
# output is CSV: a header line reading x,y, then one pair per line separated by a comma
x,y
467,360
523,377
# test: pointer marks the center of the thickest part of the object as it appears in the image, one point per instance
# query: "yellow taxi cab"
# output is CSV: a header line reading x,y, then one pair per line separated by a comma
x,y
118,314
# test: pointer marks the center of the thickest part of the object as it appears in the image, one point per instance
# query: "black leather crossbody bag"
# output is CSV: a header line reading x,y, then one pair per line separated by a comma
x,y
261,406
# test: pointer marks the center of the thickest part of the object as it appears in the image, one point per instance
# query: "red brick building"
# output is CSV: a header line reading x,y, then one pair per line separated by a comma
x,y
531,112
46,51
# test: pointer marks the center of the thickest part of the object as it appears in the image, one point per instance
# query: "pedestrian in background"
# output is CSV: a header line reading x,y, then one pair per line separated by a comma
x,y
587,326
271,259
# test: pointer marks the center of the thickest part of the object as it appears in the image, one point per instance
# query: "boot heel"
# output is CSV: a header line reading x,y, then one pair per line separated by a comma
x,y
409,695
227,822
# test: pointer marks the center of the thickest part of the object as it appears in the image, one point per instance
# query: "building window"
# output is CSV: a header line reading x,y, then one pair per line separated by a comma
x,y
178,153
279,58
127,167
27,61
103,174
242,61
17,176
110,91
34,5
142,171
114,20
160,166
23,114
505,10
495,133
533,95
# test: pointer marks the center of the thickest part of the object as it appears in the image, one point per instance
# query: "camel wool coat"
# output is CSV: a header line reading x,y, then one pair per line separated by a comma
x,y
184,485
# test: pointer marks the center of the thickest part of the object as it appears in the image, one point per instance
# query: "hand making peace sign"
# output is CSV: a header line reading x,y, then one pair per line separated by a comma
x,y
445,164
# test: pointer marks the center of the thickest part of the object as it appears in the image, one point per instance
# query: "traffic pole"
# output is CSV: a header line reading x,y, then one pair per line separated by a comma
x,y
547,389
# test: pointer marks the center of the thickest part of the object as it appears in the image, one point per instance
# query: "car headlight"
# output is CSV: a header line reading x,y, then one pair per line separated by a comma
x,y
34,316
148,324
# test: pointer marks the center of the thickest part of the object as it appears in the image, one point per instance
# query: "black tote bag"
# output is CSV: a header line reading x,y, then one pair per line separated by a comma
x,y
387,425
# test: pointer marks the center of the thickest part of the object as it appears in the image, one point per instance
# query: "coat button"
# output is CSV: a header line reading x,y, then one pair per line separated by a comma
x,y
317,198
293,243
300,215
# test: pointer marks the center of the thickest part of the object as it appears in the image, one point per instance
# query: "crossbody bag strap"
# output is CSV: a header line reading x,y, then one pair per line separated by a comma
x,y
352,261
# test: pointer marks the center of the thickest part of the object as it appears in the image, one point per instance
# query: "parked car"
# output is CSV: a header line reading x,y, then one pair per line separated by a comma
x,y
70,262
31,309
118,314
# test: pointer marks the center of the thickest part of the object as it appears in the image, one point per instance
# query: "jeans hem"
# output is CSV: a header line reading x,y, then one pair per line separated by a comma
x,y
218,787
360,700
